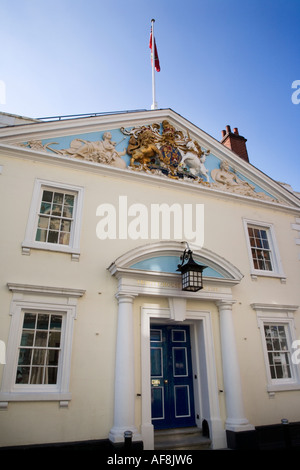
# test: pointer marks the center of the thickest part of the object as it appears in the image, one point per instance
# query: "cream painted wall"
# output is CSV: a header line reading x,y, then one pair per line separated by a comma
x,y
90,412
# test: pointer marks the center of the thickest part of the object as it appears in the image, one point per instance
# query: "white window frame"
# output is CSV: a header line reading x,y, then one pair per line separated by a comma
x,y
39,299
277,270
30,243
279,315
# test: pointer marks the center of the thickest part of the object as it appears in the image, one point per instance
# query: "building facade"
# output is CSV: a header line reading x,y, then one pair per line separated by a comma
x,y
97,333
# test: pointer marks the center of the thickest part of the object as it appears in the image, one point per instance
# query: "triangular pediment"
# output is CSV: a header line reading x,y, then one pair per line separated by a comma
x,y
158,143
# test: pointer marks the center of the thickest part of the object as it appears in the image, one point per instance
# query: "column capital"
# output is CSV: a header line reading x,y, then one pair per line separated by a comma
x,y
127,297
225,304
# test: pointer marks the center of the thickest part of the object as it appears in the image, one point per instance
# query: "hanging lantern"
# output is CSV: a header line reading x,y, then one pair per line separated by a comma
x,y
191,272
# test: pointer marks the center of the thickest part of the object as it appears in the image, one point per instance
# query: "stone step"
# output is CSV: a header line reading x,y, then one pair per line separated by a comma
x,y
190,438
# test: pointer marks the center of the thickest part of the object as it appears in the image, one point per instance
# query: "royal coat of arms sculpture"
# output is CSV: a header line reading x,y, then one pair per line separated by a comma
x,y
169,152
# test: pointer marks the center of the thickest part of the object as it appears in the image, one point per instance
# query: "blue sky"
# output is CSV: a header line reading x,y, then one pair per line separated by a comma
x,y
222,62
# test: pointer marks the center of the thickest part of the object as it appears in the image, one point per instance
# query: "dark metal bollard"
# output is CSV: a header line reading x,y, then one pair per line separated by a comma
x,y
286,432
128,439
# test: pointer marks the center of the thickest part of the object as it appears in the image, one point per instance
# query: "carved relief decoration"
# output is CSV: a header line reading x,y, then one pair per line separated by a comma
x,y
102,151
170,152
157,149
228,181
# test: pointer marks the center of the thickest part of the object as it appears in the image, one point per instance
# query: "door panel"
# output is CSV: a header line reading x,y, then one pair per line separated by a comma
x,y
171,377
156,362
158,411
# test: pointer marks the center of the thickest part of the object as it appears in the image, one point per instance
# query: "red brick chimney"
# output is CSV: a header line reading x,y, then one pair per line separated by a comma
x,y
235,142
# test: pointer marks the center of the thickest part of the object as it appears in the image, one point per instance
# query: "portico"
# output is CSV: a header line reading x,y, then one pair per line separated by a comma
x,y
144,272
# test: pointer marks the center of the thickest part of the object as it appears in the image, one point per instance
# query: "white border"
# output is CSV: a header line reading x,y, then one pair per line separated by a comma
x,y
275,256
284,315
206,395
29,241
39,298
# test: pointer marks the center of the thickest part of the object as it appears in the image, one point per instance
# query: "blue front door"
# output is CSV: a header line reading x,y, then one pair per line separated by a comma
x,y
172,396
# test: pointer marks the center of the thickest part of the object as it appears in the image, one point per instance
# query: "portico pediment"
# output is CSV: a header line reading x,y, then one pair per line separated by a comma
x,y
151,269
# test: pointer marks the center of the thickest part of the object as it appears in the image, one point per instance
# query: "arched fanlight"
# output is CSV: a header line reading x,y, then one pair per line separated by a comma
x,y
191,272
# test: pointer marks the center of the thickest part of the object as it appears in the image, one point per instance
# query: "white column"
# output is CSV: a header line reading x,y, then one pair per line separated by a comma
x,y
236,420
124,416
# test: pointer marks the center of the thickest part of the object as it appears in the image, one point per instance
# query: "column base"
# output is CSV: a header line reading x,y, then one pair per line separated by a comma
x,y
147,430
240,434
238,425
116,434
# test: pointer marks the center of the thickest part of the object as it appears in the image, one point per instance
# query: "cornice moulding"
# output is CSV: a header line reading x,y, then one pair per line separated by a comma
x,y
87,124
33,289
272,307
153,276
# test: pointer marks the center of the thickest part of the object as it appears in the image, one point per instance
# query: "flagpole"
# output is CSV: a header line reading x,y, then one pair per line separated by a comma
x,y
154,104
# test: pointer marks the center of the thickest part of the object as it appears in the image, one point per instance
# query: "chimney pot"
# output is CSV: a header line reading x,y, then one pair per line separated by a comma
x,y
223,133
235,131
228,129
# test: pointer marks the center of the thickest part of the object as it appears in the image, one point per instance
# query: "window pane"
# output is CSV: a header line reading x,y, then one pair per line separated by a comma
x,y
258,242
263,234
58,198
42,321
54,224
29,320
265,244
52,375
27,338
55,322
38,356
47,196
45,208
56,209
69,199
41,235
41,338
268,266
64,238
43,222
24,356
37,375
53,355
252,241
22,376
68,211
54,339
53,237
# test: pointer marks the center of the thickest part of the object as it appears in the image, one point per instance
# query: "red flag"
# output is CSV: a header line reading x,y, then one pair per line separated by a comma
x,y
156,59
